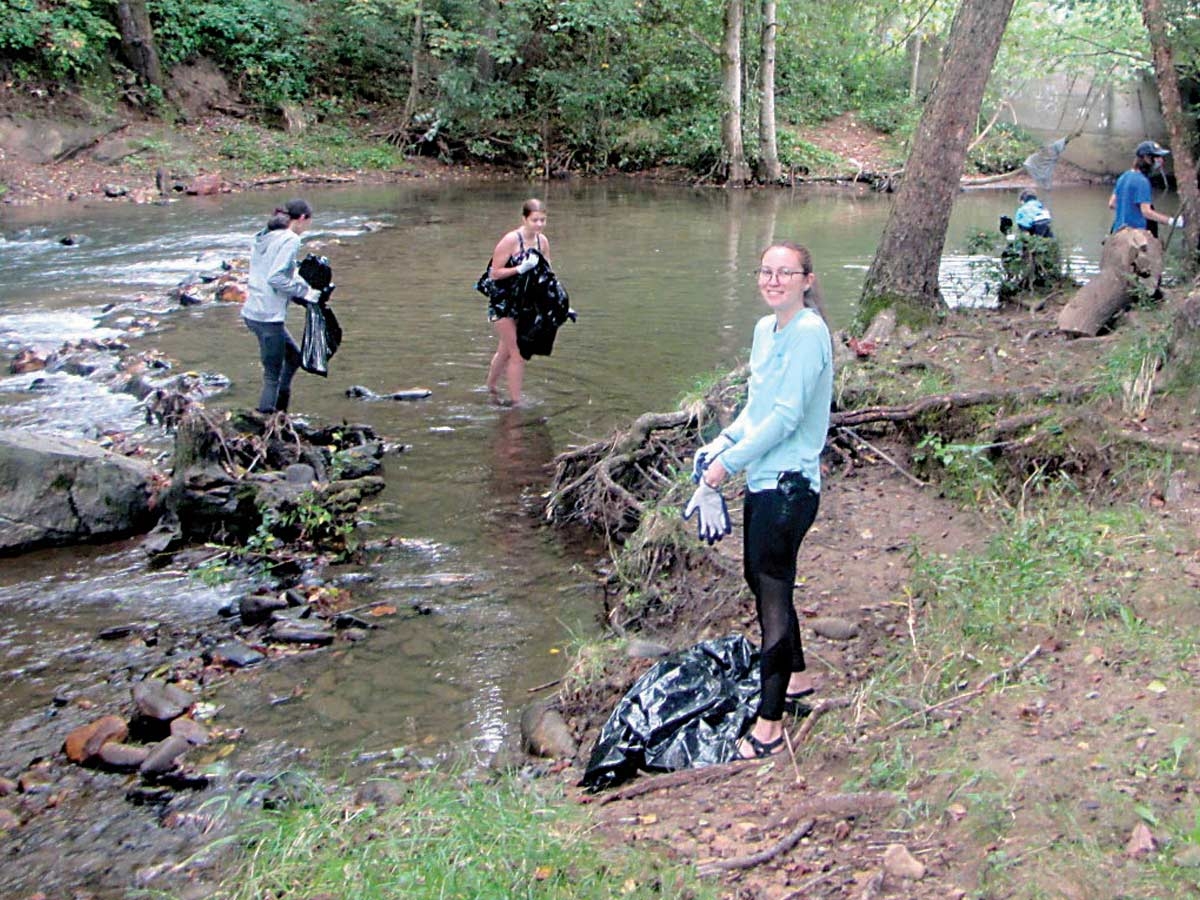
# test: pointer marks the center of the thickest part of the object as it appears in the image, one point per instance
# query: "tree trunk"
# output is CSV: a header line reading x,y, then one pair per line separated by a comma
x,y
732,151
414,73
768,148
485,65
1179,126
905,268
1131,263
137,41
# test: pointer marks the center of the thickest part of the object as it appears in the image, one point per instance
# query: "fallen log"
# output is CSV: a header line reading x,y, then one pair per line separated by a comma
x,y
1131,265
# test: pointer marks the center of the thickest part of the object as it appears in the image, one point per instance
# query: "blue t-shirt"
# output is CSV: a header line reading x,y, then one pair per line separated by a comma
x,y
1132,190
783,425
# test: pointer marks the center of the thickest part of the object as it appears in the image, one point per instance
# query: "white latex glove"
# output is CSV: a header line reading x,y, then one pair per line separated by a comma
x,y
312,296
708,505
1176,222
530,260
707,454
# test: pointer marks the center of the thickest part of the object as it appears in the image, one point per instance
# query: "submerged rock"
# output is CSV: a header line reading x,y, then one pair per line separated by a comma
x,y
293,631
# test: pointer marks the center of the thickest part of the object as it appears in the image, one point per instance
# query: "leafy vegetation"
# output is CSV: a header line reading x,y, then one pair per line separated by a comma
x,y
580,84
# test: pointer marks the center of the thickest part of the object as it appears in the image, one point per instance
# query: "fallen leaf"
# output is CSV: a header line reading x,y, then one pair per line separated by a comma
x,y
1156,687
383,609
541,873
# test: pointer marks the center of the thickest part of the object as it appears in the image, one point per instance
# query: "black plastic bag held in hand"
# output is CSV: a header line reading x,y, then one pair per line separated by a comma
x,y
686,712
322,337
322,331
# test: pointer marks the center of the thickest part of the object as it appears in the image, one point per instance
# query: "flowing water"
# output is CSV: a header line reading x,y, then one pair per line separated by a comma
x,y
661,279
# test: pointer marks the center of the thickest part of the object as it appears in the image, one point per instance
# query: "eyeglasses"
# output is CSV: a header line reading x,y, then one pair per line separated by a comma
x,y
766,274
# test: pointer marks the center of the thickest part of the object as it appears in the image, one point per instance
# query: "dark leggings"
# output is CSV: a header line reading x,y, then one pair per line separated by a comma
x,y
280,359
775,522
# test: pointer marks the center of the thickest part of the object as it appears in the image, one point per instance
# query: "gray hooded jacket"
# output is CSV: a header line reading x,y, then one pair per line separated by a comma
x,y
273,278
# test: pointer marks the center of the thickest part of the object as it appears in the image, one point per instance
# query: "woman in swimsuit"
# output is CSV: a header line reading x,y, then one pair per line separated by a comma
x,y
515,254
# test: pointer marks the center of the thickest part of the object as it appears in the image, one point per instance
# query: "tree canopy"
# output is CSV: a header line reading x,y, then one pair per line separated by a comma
x,y
581,84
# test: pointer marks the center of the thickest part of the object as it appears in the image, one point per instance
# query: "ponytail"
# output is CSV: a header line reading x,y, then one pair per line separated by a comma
x,y
814,298
283,216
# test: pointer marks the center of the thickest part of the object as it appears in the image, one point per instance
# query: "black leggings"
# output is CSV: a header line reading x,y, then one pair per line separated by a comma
x,y
775,522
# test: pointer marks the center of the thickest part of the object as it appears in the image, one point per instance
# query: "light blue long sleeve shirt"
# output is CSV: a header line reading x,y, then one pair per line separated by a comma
x,y
783,425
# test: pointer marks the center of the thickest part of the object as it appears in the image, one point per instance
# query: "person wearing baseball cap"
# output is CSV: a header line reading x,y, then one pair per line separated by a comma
x,y
1130,199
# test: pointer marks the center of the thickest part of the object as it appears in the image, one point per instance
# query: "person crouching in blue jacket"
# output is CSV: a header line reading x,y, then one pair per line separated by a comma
x,y
1032,217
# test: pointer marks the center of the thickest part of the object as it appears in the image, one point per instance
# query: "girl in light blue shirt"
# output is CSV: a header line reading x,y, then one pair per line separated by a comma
x,y
777,441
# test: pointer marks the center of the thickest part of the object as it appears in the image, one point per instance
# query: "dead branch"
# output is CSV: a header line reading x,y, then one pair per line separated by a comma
x,y
895,465
718,866
306,179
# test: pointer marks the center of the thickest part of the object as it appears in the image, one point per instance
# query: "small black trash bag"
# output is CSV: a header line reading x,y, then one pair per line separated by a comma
x,y
322,337
687,712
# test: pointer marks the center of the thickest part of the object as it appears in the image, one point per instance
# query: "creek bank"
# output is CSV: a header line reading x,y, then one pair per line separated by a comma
x,y
907,483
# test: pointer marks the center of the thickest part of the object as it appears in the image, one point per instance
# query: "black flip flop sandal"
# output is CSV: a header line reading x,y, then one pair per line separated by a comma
x,y
761,750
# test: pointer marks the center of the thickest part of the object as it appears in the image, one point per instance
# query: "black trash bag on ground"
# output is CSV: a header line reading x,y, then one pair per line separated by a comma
x,y
687,712
322,337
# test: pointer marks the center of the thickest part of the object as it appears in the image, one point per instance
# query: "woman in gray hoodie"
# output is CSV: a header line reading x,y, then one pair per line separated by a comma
x,y
273,283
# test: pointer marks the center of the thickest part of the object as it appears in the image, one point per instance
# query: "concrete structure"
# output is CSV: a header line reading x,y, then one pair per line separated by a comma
x,y
1114,119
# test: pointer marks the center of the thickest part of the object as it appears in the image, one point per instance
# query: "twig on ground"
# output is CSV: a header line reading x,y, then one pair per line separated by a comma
x,y
899,468
801,893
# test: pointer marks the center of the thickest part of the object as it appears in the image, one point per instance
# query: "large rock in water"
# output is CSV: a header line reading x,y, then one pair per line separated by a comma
x,y
59,491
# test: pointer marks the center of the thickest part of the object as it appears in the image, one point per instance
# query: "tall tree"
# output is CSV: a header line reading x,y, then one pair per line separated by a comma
x,y
137,41
1179,126
905,268
733,153
768,148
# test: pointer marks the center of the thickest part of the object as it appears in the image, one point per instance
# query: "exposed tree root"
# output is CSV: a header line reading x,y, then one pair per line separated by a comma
x,y
689,777
840,805
720,866
1026,394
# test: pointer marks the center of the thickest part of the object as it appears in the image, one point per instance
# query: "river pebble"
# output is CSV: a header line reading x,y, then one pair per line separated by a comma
x,y
164,755
236,654
834,628
158,700
123,757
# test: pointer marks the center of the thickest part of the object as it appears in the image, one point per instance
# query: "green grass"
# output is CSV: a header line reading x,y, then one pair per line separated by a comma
x,y
448,838
260,150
